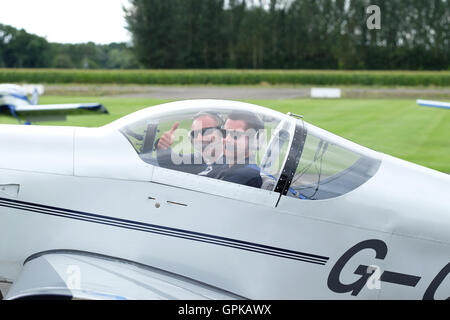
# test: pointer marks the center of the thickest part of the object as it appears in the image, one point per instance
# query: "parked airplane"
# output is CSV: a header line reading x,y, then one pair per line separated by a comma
x,y
100,213
15,102
433,104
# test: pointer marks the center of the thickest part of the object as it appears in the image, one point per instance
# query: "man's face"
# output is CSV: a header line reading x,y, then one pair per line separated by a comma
x,y
236,141
209,142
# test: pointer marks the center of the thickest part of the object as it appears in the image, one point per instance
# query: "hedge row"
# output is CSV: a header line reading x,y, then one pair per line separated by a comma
x,y
227,77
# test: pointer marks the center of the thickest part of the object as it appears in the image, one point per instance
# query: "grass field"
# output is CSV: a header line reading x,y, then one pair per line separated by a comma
x,y
395,127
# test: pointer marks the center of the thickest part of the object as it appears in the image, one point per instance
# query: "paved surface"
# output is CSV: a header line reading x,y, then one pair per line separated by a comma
x,y
238,92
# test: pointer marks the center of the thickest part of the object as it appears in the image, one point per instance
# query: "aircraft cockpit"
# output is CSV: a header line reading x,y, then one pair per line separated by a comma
x,y
249,145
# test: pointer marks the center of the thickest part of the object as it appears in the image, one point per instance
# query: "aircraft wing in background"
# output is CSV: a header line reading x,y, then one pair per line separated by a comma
x,y
433,104
54,112
15,102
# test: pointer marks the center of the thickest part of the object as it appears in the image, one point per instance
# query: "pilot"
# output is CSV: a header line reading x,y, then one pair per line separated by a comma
x,y
206,136
241,132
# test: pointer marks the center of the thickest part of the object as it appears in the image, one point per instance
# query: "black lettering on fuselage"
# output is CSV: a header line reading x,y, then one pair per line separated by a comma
x,y
334,282
434,285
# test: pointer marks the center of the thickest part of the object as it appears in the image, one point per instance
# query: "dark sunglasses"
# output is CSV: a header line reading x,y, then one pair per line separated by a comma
x,y
204,132
236,135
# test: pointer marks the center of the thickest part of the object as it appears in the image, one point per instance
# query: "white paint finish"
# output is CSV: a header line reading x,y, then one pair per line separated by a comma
x,y
51,107
402,198
416,257
15,97
8,88
94,277
419,197
438,104
108,154
4,287
37,149
215,187
246,273
10,190
404,205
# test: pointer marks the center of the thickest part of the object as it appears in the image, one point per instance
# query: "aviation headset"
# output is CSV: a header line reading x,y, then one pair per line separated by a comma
x,y
210,113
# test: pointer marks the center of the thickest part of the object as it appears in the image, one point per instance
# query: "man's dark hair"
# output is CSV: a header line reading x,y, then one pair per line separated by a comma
x,y
252,121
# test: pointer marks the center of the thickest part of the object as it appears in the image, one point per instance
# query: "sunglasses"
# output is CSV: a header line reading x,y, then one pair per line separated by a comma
x,y
236,135
204,132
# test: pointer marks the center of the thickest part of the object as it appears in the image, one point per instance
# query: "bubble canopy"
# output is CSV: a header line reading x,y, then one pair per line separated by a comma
x,y
250,145
187,107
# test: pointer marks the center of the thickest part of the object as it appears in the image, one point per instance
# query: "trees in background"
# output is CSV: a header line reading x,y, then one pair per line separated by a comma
x,y
255,34
319,34
92,56
19,49
178,33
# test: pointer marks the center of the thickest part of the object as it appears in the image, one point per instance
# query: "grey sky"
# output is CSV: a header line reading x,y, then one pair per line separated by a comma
x,y
68,21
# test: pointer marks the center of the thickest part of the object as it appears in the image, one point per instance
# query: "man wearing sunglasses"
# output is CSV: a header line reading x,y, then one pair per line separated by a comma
x,y
241,131
206,138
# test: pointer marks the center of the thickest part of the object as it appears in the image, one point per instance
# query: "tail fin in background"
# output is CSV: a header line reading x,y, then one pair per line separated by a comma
x,y
35,97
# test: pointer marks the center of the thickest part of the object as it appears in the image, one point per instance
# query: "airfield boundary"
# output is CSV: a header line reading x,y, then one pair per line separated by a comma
x,y
228,77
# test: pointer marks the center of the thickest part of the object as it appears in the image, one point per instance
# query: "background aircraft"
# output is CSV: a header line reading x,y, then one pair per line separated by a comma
x,y
91,213
433,104
15,102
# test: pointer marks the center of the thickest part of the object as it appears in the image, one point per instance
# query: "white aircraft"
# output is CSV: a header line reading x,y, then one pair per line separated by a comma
x,y
14,102
94,213
433,104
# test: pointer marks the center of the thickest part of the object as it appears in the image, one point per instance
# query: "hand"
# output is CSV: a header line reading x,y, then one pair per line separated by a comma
x,y
166,139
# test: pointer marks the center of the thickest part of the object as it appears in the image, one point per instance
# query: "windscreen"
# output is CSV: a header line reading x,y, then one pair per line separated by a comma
x,y
328,168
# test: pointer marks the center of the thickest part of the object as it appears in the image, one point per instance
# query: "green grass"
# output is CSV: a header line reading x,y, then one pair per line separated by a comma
x,y
395,127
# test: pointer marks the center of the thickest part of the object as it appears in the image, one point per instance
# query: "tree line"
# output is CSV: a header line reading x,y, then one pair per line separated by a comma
x,y
20,49
254,34
290,34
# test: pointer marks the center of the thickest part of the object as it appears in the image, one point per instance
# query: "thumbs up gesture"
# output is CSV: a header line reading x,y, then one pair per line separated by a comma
x,y
167,137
